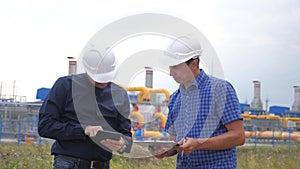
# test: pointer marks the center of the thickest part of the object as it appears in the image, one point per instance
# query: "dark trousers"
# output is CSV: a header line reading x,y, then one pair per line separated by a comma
x,y
64,162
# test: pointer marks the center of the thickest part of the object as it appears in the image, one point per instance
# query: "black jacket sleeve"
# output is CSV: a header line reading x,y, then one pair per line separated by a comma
x,y
54,121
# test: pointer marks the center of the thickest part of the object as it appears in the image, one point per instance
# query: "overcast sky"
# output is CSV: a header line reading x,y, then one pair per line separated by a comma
x,y
254,40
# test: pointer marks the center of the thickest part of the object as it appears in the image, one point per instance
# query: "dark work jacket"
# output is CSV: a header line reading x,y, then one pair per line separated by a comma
x,y
73,103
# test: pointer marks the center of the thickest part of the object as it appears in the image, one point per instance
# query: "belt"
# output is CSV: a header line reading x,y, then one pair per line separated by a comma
x,y
93,164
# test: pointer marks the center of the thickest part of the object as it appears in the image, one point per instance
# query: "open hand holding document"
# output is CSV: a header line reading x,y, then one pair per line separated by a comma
x,y
157,147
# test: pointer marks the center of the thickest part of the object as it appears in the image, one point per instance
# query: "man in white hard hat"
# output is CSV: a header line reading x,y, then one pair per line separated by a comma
x,y
204,115
78,107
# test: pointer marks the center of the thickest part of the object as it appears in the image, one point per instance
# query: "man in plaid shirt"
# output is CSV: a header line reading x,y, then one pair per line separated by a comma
x,y
204,115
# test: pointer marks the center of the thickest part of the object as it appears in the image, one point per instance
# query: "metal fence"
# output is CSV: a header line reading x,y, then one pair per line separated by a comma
x,y
18,121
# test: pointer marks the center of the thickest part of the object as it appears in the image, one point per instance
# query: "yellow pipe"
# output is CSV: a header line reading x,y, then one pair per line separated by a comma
x,y
165,91
269,134
253,133
247,133
140,96
246,117
139,88
295,119
132,132
143,91
162,117
292,136
268,117
139,116
295,136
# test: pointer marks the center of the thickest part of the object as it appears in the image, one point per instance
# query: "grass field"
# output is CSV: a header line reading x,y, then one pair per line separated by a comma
x,y
13,156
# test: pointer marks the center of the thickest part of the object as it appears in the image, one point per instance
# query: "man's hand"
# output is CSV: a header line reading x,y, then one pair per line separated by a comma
x,y
190,145
113,145
92,130
161,152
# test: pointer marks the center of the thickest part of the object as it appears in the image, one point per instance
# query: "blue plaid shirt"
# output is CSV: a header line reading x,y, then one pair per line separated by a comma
x,y
202,111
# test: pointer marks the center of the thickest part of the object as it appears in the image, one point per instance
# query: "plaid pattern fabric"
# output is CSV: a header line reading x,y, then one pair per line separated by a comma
x,y
201,111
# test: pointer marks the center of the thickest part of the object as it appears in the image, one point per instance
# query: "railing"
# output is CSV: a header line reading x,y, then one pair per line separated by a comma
x,y
19,131
19,121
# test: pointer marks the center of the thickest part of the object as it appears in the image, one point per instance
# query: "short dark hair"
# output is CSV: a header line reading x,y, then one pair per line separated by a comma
x,y
193,58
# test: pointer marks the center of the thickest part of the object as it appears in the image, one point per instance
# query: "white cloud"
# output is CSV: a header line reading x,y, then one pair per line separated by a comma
x,y
254,39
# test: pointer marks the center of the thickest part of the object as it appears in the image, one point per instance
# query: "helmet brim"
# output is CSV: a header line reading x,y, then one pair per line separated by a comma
x,y
170,59
102,77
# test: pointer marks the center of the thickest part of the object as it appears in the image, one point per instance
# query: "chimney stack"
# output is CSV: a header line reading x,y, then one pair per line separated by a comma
x,y
296,104
256,103
0,90
149,77
72,65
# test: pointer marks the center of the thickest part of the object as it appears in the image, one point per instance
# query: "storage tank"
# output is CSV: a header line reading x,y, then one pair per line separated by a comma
x,y
256,103
296,104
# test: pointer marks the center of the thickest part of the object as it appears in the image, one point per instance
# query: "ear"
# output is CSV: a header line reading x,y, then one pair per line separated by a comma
x,y
195,64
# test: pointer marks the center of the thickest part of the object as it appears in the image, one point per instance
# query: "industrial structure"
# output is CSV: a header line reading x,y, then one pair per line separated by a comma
x,y
72,65
18,119
296,104
256,103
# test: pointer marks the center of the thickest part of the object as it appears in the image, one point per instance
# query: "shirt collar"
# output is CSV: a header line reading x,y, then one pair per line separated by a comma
x,y
200,79
197,83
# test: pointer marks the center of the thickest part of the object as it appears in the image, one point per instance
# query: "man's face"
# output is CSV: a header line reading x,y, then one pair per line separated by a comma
x,y
182,73
101,85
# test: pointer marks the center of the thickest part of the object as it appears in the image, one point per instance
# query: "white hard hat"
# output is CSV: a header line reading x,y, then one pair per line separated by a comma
x,y
100,67
181,50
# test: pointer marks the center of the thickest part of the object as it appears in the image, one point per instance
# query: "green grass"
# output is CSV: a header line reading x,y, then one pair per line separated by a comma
x,y
279,157
13,156
149,163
